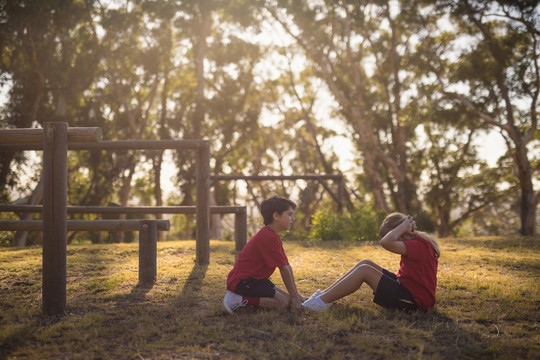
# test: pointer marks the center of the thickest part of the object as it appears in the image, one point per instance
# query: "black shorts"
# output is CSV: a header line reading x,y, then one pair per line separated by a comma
x,y
251,287
391,294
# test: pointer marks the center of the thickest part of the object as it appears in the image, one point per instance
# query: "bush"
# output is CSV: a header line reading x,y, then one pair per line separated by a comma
x,y
327,225
6,237
296,234
362,224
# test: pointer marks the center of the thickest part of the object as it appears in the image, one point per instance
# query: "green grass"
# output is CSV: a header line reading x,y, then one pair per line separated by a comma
x,y
488,306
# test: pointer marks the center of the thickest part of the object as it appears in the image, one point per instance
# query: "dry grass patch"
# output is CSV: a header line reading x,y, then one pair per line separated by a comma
x,y
488,306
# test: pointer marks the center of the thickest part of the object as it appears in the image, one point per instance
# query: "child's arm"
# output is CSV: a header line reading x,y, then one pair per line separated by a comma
x,y
392,241
288,280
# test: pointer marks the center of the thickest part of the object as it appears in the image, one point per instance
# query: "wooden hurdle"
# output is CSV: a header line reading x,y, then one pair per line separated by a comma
x,y
54,140
240,215
202,147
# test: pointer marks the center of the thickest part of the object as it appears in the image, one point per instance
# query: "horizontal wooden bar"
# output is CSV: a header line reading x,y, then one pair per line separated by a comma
x,y
82,225
35,136
126,209
21,147
116,145
140,145
276,177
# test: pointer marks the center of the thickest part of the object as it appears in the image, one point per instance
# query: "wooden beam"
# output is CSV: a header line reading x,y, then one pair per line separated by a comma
x,y
35,136
276,177
141,145
82,225
126,209
115,145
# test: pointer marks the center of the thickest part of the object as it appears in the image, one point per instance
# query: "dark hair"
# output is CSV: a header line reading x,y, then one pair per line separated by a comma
x,y
277,204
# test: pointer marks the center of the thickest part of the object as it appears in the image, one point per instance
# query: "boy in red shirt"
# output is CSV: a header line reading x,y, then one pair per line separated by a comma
x,y
248,282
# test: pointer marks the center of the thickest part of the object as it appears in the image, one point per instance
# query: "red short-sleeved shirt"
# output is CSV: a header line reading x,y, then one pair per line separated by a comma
x,y
418,271
259,258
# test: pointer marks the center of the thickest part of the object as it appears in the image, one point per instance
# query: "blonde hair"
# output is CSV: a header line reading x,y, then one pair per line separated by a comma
x,y
394,219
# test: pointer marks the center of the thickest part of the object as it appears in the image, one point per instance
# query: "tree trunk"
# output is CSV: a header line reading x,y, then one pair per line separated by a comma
x,y
444,229
527,203
375,180
198,117
215,221
124,197
158,194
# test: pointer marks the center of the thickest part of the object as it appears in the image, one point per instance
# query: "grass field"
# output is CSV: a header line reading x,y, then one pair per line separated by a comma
x,y
488,306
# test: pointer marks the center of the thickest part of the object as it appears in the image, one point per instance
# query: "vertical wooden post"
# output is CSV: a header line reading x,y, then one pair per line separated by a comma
x,y
341,193
202,247
240,229
147,251
54,217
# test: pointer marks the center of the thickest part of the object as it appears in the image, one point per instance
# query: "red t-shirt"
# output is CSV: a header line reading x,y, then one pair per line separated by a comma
x,y
259,258
418,271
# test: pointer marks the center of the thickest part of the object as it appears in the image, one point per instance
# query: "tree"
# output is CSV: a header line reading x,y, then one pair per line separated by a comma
x,y
499,72
41,51
41,47
294,97
458,184
341,43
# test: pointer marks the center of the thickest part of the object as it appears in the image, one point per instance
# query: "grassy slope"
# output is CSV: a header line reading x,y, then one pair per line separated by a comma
x,y
488,306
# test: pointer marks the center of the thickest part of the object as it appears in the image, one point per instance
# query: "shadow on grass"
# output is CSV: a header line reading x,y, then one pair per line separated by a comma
x,y
431,334
17,337
138,293
189,294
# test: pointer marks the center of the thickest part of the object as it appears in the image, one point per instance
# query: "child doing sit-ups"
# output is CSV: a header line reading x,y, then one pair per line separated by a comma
x,y
413,287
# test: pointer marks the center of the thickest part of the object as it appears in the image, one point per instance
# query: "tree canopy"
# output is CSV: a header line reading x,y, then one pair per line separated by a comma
x,y
282,87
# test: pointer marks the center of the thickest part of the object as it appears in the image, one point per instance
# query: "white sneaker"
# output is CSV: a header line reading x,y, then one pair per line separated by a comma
x,y
319,292
232,301
313,305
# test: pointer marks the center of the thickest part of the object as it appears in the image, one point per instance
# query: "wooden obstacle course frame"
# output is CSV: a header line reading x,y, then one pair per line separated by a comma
x,y
240,213
54,140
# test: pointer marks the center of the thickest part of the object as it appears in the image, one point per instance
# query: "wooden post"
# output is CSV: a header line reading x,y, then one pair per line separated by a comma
x,y
202,247
240,229
54,217
341,192
148,252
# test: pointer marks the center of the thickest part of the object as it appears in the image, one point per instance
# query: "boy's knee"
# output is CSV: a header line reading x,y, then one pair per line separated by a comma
x,y
364,262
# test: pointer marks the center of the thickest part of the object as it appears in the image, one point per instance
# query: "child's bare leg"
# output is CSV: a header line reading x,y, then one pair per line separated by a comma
x,y
360,263
279,301
361,273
